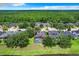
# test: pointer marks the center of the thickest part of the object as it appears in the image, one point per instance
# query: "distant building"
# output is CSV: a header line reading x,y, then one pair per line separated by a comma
x,y
42,34
39,36
52,29
21,29
1,28
75,33
74,29
13,28
40,23
53,33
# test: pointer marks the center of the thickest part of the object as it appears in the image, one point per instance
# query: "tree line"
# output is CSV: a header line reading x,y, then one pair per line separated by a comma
x,y
39,16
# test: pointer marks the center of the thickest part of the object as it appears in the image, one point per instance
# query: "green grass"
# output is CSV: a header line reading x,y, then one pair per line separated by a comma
x,y
75,47
38,49
31,40
32,50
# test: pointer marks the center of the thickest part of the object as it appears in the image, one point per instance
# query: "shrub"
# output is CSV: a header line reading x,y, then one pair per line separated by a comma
x,y
5,28
18,40
65,41
0,41
49,42
32,24
30,32
23,25
37,29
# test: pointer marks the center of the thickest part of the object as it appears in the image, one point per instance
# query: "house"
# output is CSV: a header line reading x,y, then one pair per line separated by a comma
x,y
39,36
52,29
74,29
40,23
58,33
67,33
22,29
75,33
1,28
2,35
13,28
53,33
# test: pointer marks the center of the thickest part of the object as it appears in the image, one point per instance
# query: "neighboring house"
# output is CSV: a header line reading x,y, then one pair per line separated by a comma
x,y
44,29
1,28
39,36
13,28
6,34
21,29
52,29
75,33
42,34
40,23
2,35
58,33
53,33
74,29
67,33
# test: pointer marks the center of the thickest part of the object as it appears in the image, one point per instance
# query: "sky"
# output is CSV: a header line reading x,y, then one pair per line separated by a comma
x,y
39,6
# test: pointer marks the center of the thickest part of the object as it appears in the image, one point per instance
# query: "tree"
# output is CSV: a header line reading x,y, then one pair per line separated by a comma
x,y
30,32
19,40
65,41
43,19
69,26
59,26
32,24
0,41
51,24
5,28
37,29
23,25
49,42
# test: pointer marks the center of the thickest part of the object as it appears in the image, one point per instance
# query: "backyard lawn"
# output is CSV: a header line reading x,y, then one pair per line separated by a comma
x,y
38,49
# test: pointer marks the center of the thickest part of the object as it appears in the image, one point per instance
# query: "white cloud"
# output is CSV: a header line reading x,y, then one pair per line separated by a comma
x,y
55,8
11,4
39,8
18,4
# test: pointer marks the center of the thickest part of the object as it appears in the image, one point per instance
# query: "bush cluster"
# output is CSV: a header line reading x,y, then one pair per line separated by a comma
x,y
62,41
19,40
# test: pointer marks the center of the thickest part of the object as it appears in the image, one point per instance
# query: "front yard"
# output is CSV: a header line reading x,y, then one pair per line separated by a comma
x,y
38,49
